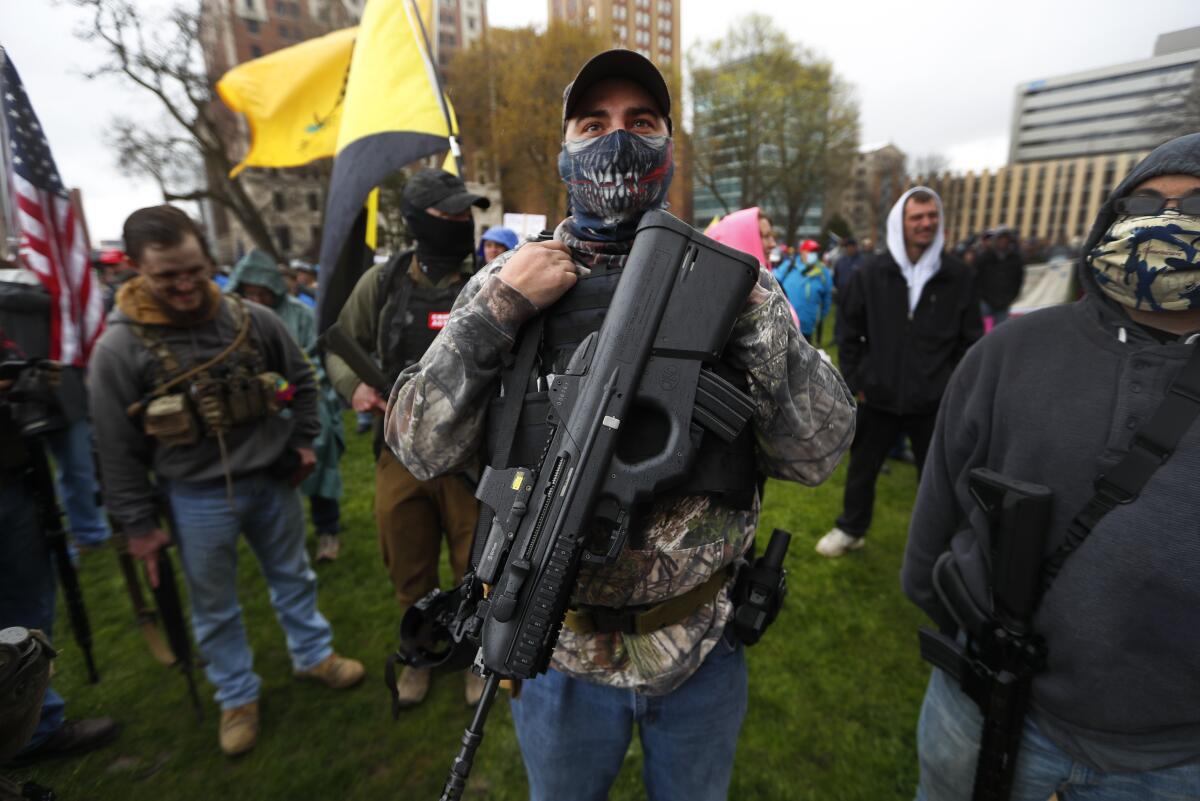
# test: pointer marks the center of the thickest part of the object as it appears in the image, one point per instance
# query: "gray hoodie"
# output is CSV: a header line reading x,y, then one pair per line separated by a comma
x,y
1054,398
123,371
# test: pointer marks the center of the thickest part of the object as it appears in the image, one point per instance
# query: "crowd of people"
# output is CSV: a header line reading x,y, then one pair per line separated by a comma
x,y
212,410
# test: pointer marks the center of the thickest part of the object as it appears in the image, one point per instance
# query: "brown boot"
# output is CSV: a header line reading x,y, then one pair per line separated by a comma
x,y
412,686
239,729
474,687
335,671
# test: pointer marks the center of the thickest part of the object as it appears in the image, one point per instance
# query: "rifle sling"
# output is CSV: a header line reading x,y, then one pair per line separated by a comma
x,y
1150,448
514,382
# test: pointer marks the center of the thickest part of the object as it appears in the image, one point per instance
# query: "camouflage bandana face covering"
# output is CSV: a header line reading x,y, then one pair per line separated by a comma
x,y
1150,263
613,179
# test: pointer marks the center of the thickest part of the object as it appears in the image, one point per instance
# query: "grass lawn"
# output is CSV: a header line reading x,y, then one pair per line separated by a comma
x,y
834,690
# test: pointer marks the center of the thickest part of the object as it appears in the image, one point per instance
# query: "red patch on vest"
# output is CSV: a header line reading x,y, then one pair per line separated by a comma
x,y
437,320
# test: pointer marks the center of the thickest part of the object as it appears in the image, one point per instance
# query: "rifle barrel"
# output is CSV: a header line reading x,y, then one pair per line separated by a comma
x,y
456,782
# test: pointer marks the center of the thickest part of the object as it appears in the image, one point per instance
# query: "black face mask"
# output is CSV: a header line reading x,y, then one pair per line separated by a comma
x,y
442,245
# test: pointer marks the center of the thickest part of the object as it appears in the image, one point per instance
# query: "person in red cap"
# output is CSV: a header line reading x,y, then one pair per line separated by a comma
x,y
808,286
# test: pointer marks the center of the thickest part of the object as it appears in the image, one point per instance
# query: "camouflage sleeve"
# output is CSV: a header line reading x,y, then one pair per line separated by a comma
x,y
436,411
803,411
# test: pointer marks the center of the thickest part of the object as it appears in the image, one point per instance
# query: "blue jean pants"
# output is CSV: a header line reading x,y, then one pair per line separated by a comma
x,y
269,513
72,449
574,734
28,586
948,737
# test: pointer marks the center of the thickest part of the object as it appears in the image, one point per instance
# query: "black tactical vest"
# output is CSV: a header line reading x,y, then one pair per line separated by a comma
x,y
411,315
727,471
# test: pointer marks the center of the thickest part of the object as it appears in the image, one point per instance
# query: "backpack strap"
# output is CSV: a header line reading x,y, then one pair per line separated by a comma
x,y
1151,447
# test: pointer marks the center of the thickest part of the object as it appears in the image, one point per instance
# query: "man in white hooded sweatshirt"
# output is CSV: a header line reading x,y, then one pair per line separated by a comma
x,y
908,317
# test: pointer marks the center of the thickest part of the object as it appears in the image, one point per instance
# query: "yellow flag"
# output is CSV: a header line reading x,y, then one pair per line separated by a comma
x,y
292,99
372,235
392,116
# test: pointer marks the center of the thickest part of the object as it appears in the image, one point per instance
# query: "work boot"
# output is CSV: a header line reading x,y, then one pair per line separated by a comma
x,y
335,671
328,547
474,687
837,543
239,729
412,686
72,738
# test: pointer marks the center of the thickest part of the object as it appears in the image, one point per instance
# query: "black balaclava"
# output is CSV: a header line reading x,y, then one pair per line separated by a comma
x,y
442,245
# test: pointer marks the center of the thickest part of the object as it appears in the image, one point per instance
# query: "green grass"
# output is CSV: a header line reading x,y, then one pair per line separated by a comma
x,y
834,689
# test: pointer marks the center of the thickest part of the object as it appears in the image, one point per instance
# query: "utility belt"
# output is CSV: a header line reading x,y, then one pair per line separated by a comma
x,y
647,619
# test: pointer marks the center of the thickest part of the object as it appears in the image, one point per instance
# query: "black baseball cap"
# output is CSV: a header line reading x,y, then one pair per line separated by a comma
x,y
618,63
430,188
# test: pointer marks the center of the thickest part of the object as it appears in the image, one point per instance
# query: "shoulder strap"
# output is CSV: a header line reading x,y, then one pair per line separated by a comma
x,y
1152,445
396,269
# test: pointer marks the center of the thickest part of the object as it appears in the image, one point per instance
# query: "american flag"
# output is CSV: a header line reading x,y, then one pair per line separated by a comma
x,y
53,244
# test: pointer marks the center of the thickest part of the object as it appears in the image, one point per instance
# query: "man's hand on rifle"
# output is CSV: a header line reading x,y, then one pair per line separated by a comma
x,y
541,271
366,399
146,548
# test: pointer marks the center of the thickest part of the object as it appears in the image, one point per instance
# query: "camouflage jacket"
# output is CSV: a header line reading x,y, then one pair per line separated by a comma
x,y
803,422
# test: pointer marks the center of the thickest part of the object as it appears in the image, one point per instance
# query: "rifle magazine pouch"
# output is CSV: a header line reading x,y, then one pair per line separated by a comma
x,y
170,421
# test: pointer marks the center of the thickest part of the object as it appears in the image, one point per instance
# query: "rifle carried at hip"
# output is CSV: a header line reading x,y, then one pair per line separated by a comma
x,y
996,666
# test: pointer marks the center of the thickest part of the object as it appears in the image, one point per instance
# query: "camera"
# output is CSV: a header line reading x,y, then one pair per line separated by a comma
x,y
30,399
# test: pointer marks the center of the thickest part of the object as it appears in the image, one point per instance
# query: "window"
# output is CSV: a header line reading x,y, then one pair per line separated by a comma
x,y
314,203
252,26
255,51
283,237
664,7
314,236
279,201
620,12
283,31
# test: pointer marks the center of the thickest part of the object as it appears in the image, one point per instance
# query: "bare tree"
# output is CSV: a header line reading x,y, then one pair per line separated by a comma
x,y
189,154
774,125
929,165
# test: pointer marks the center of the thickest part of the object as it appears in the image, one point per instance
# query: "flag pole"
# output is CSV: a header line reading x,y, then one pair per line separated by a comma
x,y
437,81
7,204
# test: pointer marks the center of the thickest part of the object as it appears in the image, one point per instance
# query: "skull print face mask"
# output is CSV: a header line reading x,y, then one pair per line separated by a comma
x,y
613,179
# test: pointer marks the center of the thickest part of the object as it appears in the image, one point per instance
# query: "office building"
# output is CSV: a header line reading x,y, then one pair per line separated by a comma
x,y
1122,108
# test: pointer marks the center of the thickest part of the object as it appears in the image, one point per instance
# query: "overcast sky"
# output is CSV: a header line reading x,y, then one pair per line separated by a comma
x,y
935,77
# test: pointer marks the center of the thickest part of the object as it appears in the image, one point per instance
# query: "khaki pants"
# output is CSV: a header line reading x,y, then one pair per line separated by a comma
x,y
411,516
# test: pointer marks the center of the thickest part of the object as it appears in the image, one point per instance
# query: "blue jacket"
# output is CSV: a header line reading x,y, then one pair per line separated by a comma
x,y
809,288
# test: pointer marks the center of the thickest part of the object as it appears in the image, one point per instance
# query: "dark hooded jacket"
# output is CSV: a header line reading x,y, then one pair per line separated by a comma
x,y
1054,398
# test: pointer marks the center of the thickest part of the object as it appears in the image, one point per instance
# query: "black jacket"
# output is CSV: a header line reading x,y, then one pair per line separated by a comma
x,y
1000,276
901,364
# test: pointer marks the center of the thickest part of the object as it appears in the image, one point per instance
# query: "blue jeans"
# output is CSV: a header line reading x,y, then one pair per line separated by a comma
x,y
72,449
574,734
27,586
270,515
948,743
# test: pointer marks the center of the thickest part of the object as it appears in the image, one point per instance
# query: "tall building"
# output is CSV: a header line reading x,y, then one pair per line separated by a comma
x,y
459,23
1115,109
650,27
1053,202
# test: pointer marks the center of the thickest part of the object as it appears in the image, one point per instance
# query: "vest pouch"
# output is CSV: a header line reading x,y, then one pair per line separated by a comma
x,y
169,419
269,387
212,407
240,401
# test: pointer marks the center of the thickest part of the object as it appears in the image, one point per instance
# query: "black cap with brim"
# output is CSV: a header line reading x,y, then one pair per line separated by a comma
x,y
618,63
438,189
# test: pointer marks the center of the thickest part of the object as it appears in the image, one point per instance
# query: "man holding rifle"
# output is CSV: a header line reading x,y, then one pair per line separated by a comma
x,y
212,396
683,681
1098,402
395,311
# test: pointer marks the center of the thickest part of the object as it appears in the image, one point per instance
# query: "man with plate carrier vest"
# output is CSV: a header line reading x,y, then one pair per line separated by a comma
x,y
651,634
394,312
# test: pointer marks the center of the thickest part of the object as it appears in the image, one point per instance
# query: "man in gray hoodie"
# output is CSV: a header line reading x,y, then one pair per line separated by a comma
x,y
1056,398
212,396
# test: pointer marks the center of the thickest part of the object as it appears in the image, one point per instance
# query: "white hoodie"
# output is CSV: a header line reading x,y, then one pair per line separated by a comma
x,y
917,275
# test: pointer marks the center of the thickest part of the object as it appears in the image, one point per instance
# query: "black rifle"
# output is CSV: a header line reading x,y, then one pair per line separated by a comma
x,y
672,313
166,596
336,340
1002,653
50,518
